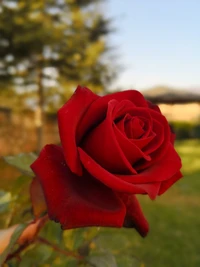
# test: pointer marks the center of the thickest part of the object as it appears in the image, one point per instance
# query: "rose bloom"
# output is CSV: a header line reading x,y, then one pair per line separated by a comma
x,y
113,148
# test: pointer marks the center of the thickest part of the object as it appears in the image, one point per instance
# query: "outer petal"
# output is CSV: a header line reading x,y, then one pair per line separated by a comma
x,y
167,184
114,182
69,116
37,198
160,171
134,215
72,200
153,106
173,135
173,138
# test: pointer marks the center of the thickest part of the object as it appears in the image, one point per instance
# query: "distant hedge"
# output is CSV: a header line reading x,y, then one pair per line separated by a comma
x,y
186,130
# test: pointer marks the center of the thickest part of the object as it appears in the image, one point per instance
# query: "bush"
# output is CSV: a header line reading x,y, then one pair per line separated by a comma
x,y
186,130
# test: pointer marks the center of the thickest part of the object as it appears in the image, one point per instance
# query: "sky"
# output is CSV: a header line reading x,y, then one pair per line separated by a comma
x,y
157,43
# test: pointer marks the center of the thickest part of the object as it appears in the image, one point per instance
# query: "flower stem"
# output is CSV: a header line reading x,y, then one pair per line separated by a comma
x,y
56,248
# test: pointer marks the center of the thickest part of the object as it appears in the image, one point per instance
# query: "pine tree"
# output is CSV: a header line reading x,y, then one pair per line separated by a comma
x,y
47,47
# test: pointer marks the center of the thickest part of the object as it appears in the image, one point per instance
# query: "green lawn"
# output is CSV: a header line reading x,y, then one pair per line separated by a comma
x,y
174,218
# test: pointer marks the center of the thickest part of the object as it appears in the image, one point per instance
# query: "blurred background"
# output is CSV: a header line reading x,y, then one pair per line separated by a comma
x,y
48,47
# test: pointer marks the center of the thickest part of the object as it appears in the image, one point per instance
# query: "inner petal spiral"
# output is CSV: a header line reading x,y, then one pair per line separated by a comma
x,y
134,128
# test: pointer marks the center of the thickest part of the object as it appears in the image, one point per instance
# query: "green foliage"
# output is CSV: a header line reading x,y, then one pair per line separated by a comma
x,y
5,198
103,258
43,255
22,162
186,130
196,131
53,45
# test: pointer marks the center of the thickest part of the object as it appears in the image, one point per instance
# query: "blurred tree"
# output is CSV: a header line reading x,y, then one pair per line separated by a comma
x,y
49,46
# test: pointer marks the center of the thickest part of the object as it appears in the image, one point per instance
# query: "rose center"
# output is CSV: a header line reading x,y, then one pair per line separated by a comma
x,y
134,127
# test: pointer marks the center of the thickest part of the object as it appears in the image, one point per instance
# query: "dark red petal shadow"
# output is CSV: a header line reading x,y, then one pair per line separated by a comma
x,y
160,171
97,111
167,184
72,200
132,152
37,198
156,142
134,215
102,146
113,181
153,106
69,116
159,152
172,138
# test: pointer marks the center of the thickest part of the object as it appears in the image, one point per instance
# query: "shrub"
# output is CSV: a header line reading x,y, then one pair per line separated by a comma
x,y
186,130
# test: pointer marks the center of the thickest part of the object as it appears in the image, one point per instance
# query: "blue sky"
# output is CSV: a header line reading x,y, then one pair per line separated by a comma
x,y
158,42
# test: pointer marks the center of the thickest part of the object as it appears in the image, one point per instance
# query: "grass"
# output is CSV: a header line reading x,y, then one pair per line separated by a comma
x,y
174,220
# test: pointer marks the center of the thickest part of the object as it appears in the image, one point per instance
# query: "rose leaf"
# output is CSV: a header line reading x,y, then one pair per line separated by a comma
x,y
22,162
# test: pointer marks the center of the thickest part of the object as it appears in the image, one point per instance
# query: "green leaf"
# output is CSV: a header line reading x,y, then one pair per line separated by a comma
x,y
5,198
22,162
128,261
15,234
20,184
103,258
37,254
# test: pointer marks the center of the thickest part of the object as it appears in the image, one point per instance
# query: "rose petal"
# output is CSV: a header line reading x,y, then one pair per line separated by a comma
x,y
137,128
156,142
172,138
120,124
144,117
69,116
141,143
37,198
120,106
97,111
160,171
72,200
121,115
113,181
167,133
146,124
130,150
102,146
160,152
167,184
134,215
153,106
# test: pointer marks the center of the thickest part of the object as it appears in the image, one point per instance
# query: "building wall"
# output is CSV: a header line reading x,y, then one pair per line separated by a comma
x,y
181,112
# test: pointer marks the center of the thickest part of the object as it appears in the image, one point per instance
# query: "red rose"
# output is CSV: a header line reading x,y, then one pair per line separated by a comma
x,y
113,147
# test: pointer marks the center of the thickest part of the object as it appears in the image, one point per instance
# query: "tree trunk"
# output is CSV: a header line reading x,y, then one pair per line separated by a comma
x,y
40,112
